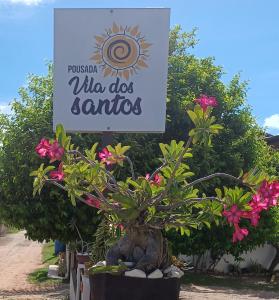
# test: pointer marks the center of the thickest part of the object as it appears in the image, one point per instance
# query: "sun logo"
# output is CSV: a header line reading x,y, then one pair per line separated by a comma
x,y
121,51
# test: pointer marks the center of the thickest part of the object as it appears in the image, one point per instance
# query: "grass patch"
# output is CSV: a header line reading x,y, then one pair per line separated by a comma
x,y
39,276
238,283
11,229
48,256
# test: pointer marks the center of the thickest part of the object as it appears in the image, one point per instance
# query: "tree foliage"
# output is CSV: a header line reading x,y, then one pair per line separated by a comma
x,y
50,215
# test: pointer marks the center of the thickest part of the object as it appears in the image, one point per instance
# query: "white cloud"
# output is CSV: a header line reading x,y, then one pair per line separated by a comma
x,y
5,108
272,122
25,2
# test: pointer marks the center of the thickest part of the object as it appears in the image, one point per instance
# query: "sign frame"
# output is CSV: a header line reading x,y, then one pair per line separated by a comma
x,y
141,83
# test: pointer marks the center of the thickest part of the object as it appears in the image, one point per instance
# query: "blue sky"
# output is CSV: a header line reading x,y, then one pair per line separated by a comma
x,y
242,35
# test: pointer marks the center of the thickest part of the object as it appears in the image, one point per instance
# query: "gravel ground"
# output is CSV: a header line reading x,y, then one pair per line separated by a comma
x,y
195,292
60,292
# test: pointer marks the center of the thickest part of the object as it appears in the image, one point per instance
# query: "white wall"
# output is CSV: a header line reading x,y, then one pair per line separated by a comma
x,y
262,255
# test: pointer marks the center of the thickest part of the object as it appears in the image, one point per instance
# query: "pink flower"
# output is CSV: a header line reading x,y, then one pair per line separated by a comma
x,y
253,215
57,175
239,233
258,204
205,101
106,156
55,152
233,215
157,179
266,197
93,201
43,147
269,192
254,218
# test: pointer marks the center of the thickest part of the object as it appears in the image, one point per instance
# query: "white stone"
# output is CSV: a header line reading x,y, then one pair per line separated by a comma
x,y
128,264
172,268
100,264
174,274
155,274
135,273
173,271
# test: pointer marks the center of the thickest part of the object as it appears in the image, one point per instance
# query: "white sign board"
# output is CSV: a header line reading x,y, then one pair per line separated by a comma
x,y
110,69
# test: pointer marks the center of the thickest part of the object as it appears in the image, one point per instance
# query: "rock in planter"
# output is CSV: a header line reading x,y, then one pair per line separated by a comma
x,y
144,246
105,286
156,274
128,264
173,272
135,273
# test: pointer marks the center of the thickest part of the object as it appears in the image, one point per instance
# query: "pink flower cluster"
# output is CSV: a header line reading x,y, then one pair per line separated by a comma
x,y
269,193
156,180
205,101
58,174
51,150
265,198
93,201
54,152
106,156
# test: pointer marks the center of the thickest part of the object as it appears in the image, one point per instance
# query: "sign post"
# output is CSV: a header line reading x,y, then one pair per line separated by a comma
x,y
110,69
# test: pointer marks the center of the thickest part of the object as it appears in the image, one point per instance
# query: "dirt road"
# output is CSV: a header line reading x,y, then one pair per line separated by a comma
x,y
19,257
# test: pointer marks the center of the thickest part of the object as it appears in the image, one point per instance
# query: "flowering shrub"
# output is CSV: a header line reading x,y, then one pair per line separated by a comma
x,y
165,199
263,199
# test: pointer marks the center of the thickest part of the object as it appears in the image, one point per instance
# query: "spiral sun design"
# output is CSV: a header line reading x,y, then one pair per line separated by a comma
x,y
121,51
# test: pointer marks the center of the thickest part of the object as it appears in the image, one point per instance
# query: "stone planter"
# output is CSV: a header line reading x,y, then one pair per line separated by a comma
x,y
114,287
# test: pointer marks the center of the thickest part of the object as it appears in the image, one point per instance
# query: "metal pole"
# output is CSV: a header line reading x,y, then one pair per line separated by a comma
x,y
107,139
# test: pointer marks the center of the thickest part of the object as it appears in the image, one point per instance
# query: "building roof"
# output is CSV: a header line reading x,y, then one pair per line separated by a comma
x,y
273,140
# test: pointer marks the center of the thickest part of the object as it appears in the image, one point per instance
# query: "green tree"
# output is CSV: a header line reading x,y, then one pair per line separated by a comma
x,y
50,215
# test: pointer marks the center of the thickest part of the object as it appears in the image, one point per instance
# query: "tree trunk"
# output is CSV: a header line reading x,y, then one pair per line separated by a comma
x,y
144,246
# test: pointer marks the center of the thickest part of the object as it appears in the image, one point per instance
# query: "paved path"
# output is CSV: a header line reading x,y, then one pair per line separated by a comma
x,y
18,257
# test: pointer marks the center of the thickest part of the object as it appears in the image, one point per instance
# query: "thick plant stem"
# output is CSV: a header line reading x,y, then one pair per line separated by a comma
x,y
131,167
142,245
224,175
